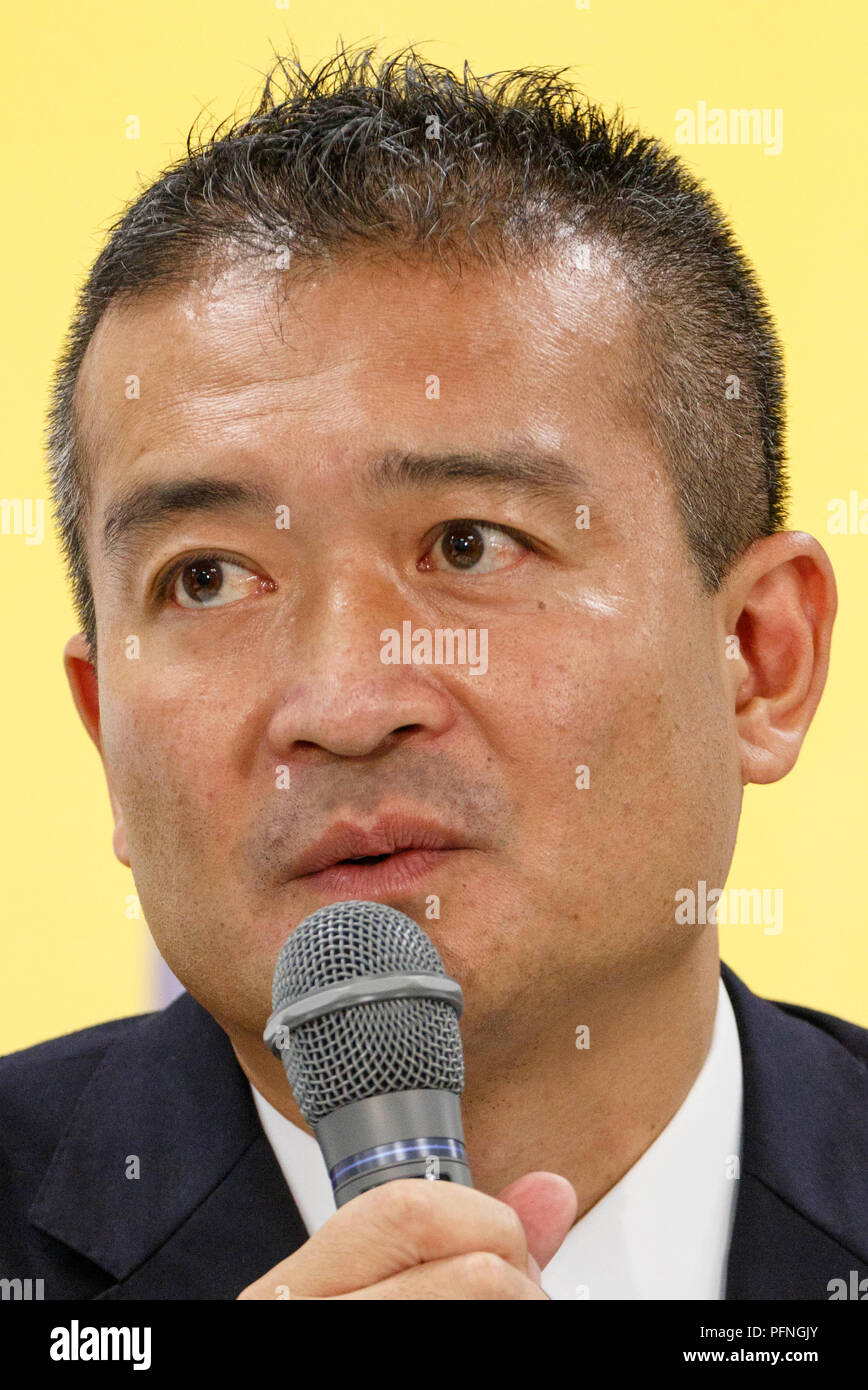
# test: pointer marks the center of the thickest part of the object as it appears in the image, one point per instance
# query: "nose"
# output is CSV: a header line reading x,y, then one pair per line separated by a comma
x,y
340,696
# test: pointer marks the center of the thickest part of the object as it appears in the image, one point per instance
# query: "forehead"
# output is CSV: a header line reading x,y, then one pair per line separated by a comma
x,y
335,362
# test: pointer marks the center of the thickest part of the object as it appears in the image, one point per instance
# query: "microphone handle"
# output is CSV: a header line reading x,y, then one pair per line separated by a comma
x,y
404,1134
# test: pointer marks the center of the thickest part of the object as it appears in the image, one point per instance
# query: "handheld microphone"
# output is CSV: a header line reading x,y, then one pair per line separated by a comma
x,y
366,1023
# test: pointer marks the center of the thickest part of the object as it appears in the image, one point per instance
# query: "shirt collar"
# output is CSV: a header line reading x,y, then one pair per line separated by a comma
x,y
661,1232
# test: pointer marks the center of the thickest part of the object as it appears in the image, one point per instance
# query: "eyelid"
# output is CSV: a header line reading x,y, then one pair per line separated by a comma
x,y
491,525
164,581
162,584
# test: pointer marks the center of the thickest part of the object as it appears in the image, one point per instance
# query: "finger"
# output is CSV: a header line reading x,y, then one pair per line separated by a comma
x,y
479,1275
547,1206
392,1228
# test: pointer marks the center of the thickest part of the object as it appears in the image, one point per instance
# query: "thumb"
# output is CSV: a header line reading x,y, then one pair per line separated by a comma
x,y
547,1205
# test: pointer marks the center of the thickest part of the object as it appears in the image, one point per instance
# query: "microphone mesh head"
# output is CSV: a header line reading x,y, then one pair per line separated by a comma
x,y
367,1049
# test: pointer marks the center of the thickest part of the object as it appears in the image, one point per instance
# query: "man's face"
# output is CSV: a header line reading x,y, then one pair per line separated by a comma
x,y
253,710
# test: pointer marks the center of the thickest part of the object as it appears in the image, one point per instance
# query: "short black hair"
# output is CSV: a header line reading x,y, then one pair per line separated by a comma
x,y
399,154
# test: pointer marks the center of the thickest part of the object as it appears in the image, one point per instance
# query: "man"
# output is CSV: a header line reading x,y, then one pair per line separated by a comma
x,y
411,354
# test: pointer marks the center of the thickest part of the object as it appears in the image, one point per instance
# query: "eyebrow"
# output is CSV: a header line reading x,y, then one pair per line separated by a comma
x,y
530,472
149,507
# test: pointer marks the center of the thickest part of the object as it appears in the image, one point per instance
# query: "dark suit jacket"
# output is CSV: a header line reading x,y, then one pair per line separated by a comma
x,y
210,1211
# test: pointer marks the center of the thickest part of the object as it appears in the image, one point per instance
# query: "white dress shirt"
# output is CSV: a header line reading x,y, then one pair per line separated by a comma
x,y
662,1231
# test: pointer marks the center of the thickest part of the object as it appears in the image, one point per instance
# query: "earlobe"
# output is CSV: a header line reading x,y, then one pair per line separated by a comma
x,y
119,838
783,604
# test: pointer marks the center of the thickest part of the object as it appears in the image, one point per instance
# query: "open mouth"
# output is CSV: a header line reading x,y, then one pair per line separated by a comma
x,y
379,873
399,850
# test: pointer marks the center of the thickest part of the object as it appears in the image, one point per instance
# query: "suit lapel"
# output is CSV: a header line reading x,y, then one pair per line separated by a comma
x,y
801,1215
164,1178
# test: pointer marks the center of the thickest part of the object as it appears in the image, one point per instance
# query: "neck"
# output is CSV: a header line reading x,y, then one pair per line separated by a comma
x,y
544,1103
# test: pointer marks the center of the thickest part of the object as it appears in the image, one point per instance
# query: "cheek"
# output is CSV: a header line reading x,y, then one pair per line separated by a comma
x,y
634,704
581,686
166,753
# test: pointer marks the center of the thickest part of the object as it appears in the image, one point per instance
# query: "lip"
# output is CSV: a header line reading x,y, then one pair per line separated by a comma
x,y
396,874
414,845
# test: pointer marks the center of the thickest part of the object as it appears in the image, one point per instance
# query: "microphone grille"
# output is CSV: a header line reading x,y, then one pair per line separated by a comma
x,y
367,1049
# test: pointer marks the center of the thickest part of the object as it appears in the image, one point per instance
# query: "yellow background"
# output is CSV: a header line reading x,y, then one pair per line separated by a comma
x,y
73,72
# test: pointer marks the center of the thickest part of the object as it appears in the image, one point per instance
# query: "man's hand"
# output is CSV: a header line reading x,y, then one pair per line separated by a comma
x,y
414,1239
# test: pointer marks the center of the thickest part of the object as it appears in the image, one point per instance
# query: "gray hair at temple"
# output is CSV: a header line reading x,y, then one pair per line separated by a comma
x,y
399,154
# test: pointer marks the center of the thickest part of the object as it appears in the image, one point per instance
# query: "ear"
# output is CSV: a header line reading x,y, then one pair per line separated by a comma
x,y
82,676
780,601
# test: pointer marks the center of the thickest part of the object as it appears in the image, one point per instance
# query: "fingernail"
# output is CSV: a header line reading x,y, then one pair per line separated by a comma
x,y
533,1270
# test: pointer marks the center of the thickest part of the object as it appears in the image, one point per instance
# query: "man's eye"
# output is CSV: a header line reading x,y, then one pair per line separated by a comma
x,y
479,546
210,581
